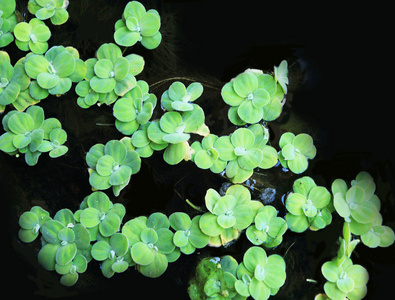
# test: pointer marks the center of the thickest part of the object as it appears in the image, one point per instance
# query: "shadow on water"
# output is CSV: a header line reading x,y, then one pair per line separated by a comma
x,y
211,46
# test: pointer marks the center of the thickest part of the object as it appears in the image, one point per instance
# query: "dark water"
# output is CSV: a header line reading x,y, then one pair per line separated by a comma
x,y
339,93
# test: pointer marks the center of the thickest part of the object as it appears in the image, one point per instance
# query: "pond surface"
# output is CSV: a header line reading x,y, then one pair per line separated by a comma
x,y
210,44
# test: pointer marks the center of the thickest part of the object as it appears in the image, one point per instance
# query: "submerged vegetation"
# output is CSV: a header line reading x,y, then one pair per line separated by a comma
x,y
103,230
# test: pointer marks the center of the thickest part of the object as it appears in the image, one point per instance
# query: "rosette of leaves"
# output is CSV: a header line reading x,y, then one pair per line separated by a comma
x,y
138,25
55,71
188,235
87,94
31,223
227,215
173,130
112,165
259,275
9,86
268,229
32,36
178,97
295,151
205,155
214,278
7,21
151,242
308,206
360,207
55,10
63,243
253,96
134,109
345,280
114,254
240,150
29,133
100,216
112,71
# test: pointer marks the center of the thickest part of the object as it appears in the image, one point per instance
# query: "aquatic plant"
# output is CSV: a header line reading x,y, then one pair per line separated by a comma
x,y
260,276
227,215
215,278
360,207
267,228
100,215
173,132
205,156
114,254
55,70
55,10
111,165
95,231
239,150
295,151
7,22
188,235
151,243
308,206
12,81
178,97
32,36
134,109
138,25
253,96
29,133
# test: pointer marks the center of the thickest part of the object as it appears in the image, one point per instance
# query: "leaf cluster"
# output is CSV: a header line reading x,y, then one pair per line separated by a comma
x,y
55,10
295,151
238,153
138,25
8,21
267,228
360,207
32,36
31,134
112,164
227,215
309,206
65,242
254,96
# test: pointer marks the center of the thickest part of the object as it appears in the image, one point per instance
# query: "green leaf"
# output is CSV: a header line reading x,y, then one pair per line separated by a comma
x,y
46,256
254,256
126,38
152,42
20,123
121,175
149,24
35,65
109,225
299,164
156,268
102,86
209,225
47,81
297,223
90,217
64,64
180,221
230,96
243,138
60,17
121,68
104,166
258,289
175,153
281,75
66,254
249,113
103,68
142,253
294,203
245,84
117,150
274,275
22,31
